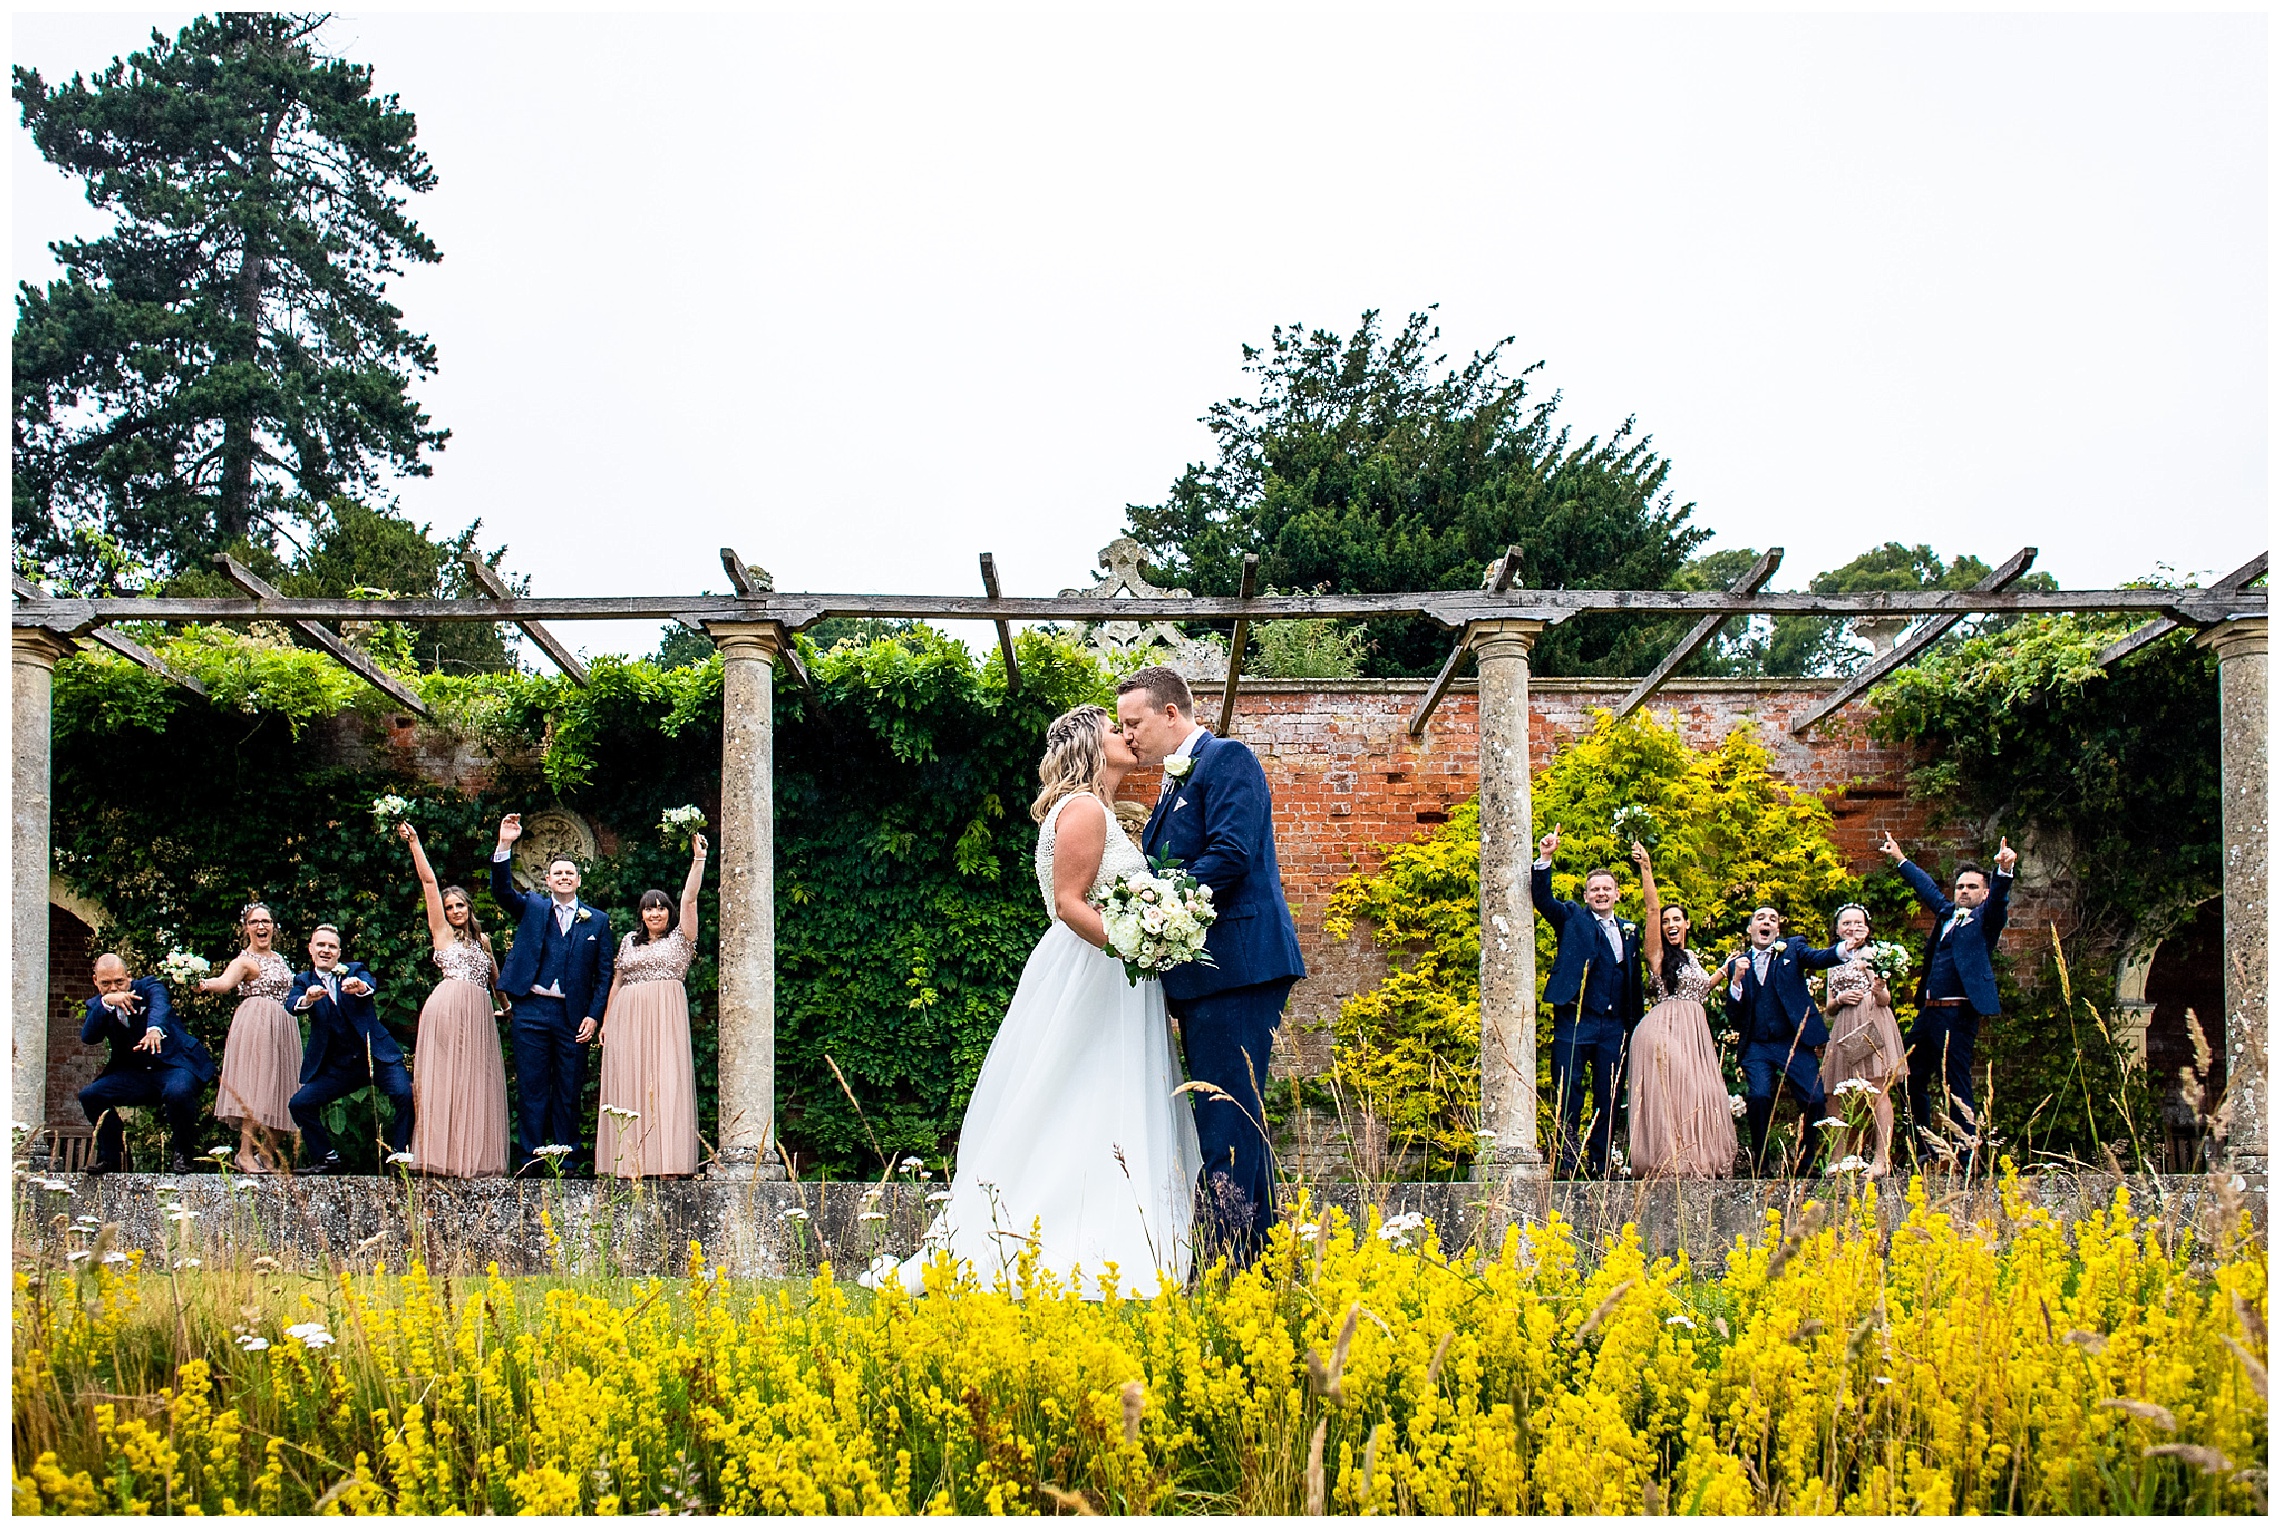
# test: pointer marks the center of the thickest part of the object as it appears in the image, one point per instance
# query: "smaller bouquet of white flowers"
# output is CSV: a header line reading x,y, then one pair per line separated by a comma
x,y
1887,960
387,811
679,825
1634,823
181,968
1156,920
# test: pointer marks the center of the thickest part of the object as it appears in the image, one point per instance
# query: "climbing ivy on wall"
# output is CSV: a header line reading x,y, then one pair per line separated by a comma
x,y
906,900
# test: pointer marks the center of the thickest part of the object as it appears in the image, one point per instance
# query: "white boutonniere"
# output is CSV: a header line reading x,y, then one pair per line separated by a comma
x,y
585,913
1180,766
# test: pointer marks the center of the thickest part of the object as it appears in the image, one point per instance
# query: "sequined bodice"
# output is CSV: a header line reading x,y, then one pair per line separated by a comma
x,y
1855,978
464,962
272,981
1119,856
660,960
1693,982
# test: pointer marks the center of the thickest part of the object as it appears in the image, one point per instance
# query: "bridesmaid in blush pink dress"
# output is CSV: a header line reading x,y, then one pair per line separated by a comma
x,y
261,1059
1682,1125
459,1081
648,1127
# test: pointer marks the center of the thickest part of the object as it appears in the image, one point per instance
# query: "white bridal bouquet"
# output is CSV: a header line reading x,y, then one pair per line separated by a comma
x,y
679,825
1887,960
181,968
1634,822
387,811
1156,920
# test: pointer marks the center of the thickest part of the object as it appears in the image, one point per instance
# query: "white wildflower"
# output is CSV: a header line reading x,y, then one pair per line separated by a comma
x,y
188,1262
1680,1319
1831,1123
400,1159
871,1215
219,1153
253,1344
794,1213
73,1257
1848,1165
179,1215
114,1257
615,1111
551,1151
939,1196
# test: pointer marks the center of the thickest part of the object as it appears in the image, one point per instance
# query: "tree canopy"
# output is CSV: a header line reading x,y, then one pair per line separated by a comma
x,y
227,354
1364,464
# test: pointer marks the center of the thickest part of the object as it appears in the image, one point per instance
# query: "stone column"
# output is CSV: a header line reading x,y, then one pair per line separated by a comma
x,y
748,899
2242,708
1507,916
36,653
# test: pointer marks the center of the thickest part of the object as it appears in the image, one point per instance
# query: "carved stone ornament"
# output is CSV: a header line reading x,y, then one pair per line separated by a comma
x,y
1136,643
548,835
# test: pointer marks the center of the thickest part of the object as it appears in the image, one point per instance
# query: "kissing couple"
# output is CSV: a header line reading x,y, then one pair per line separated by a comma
x,y
1081,1144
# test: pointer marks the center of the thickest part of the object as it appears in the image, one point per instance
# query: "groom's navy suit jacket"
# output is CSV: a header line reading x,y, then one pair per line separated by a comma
x,y
345,1033
587,956
1218,823
1971,945
178,1048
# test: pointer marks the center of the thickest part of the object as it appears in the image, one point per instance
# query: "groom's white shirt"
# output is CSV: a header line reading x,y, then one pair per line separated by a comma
x,y
1185,750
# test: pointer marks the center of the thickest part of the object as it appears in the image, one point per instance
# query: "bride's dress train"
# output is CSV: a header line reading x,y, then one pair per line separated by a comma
x,y
1074,1127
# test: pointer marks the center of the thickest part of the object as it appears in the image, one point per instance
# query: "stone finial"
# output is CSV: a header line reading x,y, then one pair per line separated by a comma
x,y
1153,641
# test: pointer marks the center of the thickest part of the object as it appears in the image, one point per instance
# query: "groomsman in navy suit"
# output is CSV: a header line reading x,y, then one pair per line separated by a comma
x,y
1215,817
1781,1029
154,1060
1957,989
558,975
1595,997
348,1048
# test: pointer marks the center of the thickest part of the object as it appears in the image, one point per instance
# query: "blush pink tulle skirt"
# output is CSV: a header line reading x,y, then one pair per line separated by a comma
x,y
647,1070
261,1068
459,1086
1681,1123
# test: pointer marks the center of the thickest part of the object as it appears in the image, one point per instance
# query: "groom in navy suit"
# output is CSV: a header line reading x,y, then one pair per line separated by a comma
x,y
558,976
1958,987
1215,819
1782,1031
349,1048
155,1059
1596,999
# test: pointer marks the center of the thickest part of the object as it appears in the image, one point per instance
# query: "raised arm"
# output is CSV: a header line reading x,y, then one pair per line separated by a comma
x,y
439,927
229,976
503,888
1080,838
1650,933
690,888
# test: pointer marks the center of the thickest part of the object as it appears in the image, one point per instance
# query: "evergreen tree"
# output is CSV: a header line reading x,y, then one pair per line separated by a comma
x,y
227,352
1364,465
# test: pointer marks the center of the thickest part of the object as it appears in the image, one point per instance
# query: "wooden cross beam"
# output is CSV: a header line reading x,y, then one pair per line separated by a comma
x,y
2152,631
117,641
343,654
1507,574
1004,629
1915,642
483,573
751,585
1695,640
747,584
1235,645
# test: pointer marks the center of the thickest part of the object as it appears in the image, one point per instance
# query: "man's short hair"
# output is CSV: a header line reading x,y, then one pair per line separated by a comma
x,y
1596,871
1164,686
326,928
1768,908
1973,867
560,859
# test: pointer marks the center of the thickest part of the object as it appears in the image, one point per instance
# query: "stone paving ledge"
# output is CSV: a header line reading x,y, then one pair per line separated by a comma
x,y
779,1230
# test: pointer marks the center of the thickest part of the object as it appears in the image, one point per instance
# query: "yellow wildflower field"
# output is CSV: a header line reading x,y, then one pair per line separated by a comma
x,y
2107,1365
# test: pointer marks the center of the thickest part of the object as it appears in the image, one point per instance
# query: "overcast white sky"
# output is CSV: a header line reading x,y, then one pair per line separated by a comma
x,y
867,294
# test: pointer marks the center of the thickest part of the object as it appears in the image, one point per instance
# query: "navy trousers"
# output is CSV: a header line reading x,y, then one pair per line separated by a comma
x,y
550,1073
1591,1047
1939,1049
337,1081
1766,1066
174,1089
1229,1038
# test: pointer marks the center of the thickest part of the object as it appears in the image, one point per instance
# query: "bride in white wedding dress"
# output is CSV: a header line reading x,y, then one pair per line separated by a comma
x,y
1074,1141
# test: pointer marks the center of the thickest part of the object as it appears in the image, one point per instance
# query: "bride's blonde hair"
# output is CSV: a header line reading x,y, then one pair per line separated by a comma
x,y
1076,756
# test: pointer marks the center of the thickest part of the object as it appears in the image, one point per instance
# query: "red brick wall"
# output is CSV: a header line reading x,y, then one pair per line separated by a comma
x,y
1348,779
71,982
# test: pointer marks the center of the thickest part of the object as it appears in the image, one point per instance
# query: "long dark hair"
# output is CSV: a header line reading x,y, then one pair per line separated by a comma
x,y
649,899
473,932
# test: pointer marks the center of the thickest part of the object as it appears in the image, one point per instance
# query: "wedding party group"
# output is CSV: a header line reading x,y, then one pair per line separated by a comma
x,y
1810,1054
567,983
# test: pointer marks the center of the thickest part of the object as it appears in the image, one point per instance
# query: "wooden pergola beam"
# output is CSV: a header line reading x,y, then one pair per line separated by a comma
x,y
343,654
1695,640
1909,646
1235,644
117,641
754,586
1452,608
2153,631
1507,574
742,579
1004,628
483,573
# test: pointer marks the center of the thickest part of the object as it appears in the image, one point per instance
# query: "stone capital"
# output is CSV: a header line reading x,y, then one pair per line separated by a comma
x,y
758,641
1503,639
40,649
2241,637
